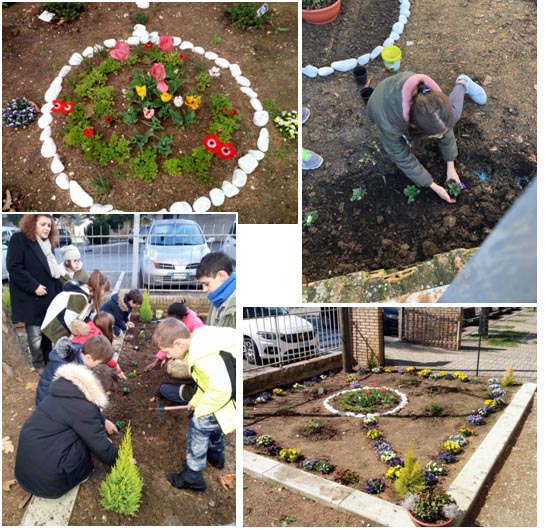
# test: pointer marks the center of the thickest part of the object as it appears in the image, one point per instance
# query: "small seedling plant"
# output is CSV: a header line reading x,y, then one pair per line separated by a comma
x,y
358,194
309,218
454,189
411,193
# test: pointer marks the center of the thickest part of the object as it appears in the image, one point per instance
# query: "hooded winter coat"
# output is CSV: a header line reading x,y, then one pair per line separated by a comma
x,y
388,108
118,307
208,370
56,442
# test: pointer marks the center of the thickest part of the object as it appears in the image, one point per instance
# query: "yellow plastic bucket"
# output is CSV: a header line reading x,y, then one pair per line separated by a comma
x,y
392,56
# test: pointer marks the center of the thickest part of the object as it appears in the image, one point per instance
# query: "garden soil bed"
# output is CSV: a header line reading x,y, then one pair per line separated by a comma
x,y
268,57
496,142
343,440
159,446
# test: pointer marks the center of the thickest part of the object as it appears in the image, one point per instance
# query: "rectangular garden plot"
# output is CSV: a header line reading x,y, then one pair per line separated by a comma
x,y
159,445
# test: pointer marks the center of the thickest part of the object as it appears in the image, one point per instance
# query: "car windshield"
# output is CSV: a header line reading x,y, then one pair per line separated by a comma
x,y
176,234
263,312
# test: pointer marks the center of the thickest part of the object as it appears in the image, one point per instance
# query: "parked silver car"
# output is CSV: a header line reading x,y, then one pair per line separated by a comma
x,y
171,254
7,232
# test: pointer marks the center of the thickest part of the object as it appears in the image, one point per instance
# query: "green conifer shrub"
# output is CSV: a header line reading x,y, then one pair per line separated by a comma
x,y
146,313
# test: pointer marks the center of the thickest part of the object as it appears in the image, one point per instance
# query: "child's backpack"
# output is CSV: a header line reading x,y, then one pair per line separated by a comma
x,y
229,361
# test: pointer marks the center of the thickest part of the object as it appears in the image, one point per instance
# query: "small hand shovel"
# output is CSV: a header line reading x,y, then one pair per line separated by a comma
x,y
160,408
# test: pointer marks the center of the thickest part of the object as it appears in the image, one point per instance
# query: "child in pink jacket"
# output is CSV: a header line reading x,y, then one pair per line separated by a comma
x,y
180,311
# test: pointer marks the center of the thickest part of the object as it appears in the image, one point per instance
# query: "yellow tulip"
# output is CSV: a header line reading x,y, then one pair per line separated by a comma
x,y
141,91
165,96
193,102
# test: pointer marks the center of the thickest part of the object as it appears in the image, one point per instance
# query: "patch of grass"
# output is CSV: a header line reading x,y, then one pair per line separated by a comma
x,y
501,326
507,338
285,520
434,409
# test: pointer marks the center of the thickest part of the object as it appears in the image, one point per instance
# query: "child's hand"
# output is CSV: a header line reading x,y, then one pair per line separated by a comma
x,y
121,375
110,427
151,366
130,325
442,193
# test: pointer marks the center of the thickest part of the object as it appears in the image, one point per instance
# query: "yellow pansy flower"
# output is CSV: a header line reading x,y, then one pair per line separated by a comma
x,y
141,91
165,96
193,102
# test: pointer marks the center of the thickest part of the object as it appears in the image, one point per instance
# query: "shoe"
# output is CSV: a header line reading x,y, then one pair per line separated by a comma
x,y
178,480
475,92
305,113
310,160
218,463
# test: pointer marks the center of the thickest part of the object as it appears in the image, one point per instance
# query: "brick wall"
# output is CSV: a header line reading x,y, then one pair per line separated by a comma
x,y
438,327
366,335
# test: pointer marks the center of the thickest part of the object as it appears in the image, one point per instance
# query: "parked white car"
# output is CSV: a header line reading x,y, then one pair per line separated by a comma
x,y
7,232
171,254
272,334
229,245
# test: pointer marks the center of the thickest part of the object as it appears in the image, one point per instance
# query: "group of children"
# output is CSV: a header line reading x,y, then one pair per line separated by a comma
x,y
68,423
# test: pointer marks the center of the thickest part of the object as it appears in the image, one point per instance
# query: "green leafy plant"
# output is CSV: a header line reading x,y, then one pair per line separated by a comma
x,y
70,11
173,167
411,478
309,218
140,140
347,477
312,427
102,185
434,409
6,298
431,506
121,490
508,378
146,313
454,189
358,194
216,39
139,18
244,15
164,145
145,165
203,80
411,193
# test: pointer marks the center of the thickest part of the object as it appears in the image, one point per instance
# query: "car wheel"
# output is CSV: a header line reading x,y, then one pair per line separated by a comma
x,y
250,352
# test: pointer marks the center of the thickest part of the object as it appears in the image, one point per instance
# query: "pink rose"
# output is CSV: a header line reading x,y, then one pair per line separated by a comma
x,y
166,43
121,51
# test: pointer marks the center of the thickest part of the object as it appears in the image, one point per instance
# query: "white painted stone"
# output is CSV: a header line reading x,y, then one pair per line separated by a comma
x,y
133,41
398,27
217,196
46,133
154,37
364,59
388,42
46,16
200,50
186,45
211,56
57,166
249,92
405,12
242,80
229,189
144,38
142,4
239,178
345,65
46,107
180,207
164,210
75,59
101,208
64,70
403,19
222,63
261,117
88,52
45,120
202,204
79,196
310,71
48,148
376,52
52,93
63,181
258,155
263,140
405,4
110,43
235,70
248,164
177,41
256,104
394,35
138,29
325,70
97,48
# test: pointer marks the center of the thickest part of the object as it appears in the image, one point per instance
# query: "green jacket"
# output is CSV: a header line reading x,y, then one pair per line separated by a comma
x,y
225,315
385,110
209,371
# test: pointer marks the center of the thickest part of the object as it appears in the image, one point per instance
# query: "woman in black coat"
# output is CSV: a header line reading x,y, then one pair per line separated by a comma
x,y
33,279
56,442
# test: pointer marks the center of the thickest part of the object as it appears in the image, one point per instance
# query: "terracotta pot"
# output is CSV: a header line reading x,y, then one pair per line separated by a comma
x,y
322,16
418,522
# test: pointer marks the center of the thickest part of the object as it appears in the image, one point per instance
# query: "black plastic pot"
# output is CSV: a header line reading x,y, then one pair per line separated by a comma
x,y
361,75
366,92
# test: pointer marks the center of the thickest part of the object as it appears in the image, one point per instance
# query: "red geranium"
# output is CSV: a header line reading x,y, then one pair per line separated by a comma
x,y
108,120
88,132
226,151
233,112
224,110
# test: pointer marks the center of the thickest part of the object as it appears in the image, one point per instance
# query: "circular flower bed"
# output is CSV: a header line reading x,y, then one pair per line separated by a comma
x,y
403,401
141,129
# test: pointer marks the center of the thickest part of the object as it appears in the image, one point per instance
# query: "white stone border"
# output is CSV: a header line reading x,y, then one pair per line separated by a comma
x,y
403,403
246,163
349,64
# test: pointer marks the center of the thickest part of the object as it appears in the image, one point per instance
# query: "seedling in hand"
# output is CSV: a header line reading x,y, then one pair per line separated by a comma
x,y
455,188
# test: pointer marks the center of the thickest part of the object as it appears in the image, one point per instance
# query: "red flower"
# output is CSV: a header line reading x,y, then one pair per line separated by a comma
x,y
166,43
233,112
366,391
211,142
121,51
224,110
148,45
88,132
218,131
373,383
108,120
383,389
57,105
68,106
226,151
182,56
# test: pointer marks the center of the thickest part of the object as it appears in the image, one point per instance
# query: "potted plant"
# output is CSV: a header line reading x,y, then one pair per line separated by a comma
x,y
431,507
320,11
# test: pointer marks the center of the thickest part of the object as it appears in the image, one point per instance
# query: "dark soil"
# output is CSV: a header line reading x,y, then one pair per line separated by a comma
x,y
34,52
159,446
497,140
412,425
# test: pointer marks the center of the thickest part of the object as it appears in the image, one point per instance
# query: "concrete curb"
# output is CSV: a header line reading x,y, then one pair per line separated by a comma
x,y
464,489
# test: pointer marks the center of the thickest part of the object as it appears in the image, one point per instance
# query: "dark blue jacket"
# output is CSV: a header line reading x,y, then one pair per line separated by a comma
x,y
120,309
56,442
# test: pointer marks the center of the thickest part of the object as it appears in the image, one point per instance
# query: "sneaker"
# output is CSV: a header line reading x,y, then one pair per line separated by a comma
x,y
178,480
475,92
310,160
305,113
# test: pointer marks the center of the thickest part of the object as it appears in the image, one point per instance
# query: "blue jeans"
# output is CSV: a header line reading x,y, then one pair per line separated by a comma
x,y
204,438
172,393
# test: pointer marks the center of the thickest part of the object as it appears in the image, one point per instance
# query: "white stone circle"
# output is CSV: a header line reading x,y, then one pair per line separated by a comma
x,y
403,403
246,163
346,65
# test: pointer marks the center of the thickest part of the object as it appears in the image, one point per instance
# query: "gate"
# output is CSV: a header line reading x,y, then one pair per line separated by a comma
x,y
440,328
